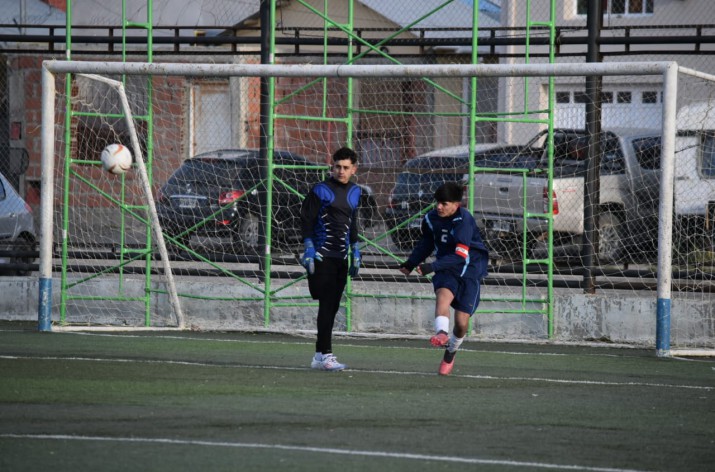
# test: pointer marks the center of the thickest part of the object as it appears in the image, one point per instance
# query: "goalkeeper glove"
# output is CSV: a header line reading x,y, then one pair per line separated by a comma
x,y
355,263
426,269
407,265
309,256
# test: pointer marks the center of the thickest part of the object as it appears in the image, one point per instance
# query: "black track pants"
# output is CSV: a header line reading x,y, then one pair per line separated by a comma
x,y
327,285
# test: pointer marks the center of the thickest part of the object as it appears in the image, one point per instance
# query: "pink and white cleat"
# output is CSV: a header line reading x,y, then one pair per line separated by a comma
x,y
440,339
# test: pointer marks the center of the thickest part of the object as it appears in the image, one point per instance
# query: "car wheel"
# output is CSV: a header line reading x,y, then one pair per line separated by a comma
x,y
248,229
611,245
25,243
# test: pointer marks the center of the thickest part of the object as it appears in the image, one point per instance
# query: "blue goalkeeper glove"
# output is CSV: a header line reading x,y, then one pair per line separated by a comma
x,y
355,262
309,256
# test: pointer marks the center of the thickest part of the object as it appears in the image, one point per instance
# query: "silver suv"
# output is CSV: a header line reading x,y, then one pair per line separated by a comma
x,y
17,229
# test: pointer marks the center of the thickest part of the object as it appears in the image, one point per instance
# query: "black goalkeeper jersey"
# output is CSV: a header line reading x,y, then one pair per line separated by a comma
x,y
329,216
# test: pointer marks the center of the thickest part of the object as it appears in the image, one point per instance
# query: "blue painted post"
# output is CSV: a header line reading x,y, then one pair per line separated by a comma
x,y
45,305
662,331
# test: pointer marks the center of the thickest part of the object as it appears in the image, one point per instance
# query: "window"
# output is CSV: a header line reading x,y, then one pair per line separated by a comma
x,y
580,97
648,152
650,97
563,97
612,161
619,7
707,164
623,97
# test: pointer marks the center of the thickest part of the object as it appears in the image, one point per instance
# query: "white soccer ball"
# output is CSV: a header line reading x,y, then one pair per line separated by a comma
x,y
116,159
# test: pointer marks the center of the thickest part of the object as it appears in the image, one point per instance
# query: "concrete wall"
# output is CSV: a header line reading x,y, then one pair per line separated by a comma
x,y
612,316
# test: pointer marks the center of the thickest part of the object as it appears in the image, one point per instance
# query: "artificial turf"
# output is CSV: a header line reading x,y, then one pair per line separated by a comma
x,y
239,401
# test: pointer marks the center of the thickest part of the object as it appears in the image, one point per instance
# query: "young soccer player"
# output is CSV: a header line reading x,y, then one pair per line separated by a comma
x,y
460,265
329,223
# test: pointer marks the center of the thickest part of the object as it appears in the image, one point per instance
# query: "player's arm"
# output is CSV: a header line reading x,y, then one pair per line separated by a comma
x,y
422,250
355,220
309,218
309,214
355,257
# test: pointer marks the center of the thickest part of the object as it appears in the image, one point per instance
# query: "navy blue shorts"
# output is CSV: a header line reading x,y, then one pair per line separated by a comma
x,y
466,291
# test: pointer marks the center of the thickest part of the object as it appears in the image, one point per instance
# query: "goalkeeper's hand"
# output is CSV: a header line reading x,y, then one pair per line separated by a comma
x,y
425,269
356,258
406,268
309,256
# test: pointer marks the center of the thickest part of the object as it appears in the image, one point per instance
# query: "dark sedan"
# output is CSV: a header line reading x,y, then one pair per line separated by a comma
x,y
217,194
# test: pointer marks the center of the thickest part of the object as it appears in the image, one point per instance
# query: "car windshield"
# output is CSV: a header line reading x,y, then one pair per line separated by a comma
x,y
220,172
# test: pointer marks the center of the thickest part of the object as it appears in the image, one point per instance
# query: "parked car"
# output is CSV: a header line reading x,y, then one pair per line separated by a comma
x,y
17,227
506,203
216,194
694,192
420,177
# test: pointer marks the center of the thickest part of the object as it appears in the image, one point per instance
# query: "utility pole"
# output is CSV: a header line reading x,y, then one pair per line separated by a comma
x,y
591,197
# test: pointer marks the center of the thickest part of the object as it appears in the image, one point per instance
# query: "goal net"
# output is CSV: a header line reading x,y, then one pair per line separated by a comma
x,y
515,136
694,216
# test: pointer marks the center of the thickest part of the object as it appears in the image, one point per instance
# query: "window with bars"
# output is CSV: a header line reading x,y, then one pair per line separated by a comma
x,y
649,97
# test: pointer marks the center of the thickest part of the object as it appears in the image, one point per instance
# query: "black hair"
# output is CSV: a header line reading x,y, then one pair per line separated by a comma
x,y
345,153
449,192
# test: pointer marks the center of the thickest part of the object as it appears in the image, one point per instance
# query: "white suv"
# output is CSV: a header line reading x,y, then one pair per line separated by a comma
x,y
17,229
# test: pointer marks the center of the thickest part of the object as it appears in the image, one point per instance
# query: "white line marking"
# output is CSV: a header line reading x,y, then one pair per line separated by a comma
x,y
359,346
323,450
367,371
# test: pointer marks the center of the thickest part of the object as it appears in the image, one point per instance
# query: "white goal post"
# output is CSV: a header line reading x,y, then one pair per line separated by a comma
x,y
666,71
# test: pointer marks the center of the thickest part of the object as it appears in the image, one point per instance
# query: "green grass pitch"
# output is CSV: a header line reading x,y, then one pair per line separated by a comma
x,y
168,401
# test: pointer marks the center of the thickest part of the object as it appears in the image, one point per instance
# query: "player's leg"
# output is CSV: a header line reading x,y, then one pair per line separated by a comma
x,y
441,317
465,303
327,285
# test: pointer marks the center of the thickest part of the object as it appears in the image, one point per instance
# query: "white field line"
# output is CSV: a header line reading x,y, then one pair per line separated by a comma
x,y
358,346
319,450
350,371
123,330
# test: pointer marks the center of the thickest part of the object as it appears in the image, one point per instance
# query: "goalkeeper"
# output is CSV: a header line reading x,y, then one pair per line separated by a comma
x,y
460,265
329,217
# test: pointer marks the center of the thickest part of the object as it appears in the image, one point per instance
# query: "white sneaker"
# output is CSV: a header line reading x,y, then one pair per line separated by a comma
x,y
328,362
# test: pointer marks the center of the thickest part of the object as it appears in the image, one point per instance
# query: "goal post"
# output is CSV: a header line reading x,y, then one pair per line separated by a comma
x,y
146,187
48,137
399,115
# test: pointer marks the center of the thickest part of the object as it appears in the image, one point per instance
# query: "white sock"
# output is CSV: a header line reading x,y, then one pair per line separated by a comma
x,y
454,343
441,323
318,356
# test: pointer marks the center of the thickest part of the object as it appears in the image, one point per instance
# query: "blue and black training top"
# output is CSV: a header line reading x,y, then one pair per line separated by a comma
x,y
329,216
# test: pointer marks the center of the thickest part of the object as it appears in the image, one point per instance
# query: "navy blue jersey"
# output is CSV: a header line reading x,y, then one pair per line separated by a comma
x,y
457,242
329,216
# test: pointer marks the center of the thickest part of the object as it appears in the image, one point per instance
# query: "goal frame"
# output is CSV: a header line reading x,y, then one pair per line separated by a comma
x,y
667,70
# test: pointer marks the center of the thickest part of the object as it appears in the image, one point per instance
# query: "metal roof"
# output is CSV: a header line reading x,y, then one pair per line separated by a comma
x,y
35,12
454,15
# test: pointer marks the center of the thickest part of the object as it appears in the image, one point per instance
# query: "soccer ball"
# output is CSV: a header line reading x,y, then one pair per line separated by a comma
x,y
116,159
